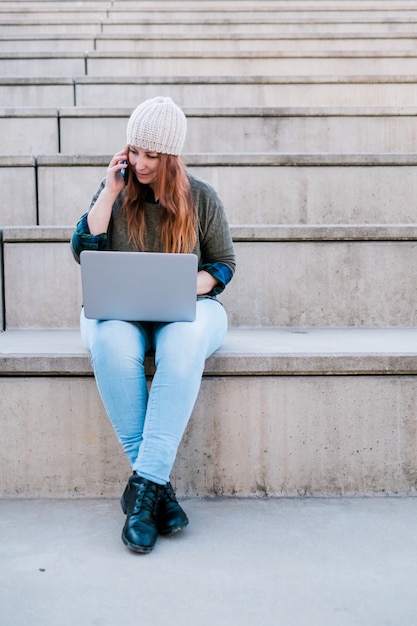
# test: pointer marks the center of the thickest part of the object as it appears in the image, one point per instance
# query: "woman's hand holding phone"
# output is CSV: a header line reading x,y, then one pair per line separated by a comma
x,y
99,216
117,172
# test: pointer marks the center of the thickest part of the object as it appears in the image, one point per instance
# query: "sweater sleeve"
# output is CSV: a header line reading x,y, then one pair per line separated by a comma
x,y
215,240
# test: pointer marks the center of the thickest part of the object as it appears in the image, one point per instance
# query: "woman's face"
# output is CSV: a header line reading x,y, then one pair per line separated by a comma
x,y
145,164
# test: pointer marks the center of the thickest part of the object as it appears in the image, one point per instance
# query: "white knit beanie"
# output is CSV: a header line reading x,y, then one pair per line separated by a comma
x,y
158,125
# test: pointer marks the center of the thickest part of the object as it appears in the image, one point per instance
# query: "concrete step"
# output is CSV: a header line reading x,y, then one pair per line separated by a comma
x,y
219,91
277,188
280,412
28,7
212,22
280,11
261,42
216,42
354,130
308,276
23,26
28,12
270,11
246,25
286,63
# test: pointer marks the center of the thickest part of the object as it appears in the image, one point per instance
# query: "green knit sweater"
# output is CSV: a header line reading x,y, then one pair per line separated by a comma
x,y
214,247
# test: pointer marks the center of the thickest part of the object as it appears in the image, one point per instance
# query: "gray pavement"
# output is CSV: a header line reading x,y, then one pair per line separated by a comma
x,y
269,562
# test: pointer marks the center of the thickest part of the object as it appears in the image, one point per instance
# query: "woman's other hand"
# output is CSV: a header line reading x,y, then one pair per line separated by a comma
x,y
205,282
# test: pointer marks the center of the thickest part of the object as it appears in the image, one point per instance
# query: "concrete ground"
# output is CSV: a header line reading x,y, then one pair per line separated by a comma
x,y
263,562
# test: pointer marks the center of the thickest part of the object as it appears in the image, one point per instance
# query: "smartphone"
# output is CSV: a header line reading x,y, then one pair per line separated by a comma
x,y
125,173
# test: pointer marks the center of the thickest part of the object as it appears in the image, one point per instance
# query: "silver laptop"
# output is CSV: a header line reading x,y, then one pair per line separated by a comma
x,y
139,286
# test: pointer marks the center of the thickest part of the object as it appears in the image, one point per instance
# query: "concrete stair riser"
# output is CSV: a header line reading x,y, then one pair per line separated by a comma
x,y
323,284
268,13
240,43
21,207
234,12
200,26
272,64
94,131
281,283
44,27
29,131
25,7
36,92
56,44
281,91
221,91
21,64
259,27
286,189
51,11
257,435
148,64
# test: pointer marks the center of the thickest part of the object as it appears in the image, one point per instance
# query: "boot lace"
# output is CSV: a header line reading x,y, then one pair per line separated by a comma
x,y
146,498
168,494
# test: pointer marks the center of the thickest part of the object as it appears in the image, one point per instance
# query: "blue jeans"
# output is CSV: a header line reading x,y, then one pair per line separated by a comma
x,y
150,423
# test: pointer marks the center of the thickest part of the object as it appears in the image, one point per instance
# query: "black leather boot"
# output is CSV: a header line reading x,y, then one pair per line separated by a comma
x,y
170,517
140,503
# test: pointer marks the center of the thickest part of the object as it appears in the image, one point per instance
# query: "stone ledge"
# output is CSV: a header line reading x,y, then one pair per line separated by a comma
x,y
12,81
253,111
245,232
184,54
24,6
28,111
339,79
219,36
233,80
256,159
216,111
240,54
245,352
179,18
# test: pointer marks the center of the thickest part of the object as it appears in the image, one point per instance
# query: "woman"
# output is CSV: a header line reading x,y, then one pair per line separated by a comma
x,y
162,208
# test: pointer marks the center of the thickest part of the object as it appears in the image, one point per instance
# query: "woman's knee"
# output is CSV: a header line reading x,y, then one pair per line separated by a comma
x,y
117,342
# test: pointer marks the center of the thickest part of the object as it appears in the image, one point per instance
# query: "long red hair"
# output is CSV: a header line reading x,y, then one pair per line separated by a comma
x,y
177,225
